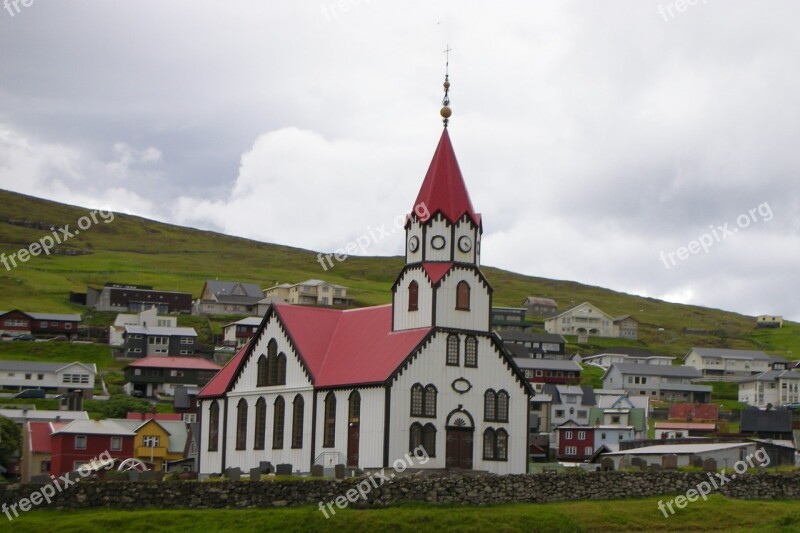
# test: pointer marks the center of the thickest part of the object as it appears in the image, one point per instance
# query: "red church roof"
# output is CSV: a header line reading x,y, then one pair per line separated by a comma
x,y
436,271
443,188
355,346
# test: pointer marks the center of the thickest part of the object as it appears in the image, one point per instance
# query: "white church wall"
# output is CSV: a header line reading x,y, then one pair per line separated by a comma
x,y
422,317
447,316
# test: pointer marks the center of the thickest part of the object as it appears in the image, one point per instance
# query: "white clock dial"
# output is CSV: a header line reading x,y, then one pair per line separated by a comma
x,y
464,244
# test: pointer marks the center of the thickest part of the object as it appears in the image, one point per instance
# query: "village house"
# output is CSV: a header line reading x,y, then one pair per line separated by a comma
x,y
660,382
228,298
534,345
624,354
160,375
309,292
587,320
239,333
150,317
537,306
135,298
569,402
54,378
147,341
773,387
621,411
766,423
14,323
78,442
363,387
549,371
157,442
769,321
722,364
509,319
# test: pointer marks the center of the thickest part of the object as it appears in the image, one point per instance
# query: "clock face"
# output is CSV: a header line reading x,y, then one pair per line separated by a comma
x,y
464,244
438,242
413,243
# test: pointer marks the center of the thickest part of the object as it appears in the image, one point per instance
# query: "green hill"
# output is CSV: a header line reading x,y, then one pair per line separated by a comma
x,y
139,251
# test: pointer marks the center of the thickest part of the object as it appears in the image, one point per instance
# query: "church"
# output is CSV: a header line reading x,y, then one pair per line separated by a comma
x,y
364,387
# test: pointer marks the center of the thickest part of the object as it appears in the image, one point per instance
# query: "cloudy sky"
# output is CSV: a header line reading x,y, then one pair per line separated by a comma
x,y
648,146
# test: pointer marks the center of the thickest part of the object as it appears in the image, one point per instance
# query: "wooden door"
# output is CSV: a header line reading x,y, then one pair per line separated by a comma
x,y
352,444
458,453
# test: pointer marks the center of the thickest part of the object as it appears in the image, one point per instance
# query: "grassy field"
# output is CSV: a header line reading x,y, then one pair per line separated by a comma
x,y
139,251
717,514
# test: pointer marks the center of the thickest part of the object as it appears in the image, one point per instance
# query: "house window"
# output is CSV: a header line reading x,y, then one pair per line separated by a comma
x,y
329,436
588,450
567,434
80,442
452,350
189,418
297,421
45,467
559,413
241,424
261,424
187,340
116,444
495,445
571,450
151,441
471,352
462,296
581,435
43,324
413,296
213,426
277,423
261,372
615,419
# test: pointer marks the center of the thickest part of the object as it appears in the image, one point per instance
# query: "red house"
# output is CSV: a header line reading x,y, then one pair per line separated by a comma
x,y
575,443
80,441
552,371
18,322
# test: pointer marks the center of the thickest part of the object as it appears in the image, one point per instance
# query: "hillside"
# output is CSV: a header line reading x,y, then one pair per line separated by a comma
x,y
139,251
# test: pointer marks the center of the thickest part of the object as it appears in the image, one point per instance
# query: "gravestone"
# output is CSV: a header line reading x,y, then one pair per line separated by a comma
x,y
265,466
339,471
696,460
284,469
710,465
234,474
638,462
655,467
317,471
255,474
669,461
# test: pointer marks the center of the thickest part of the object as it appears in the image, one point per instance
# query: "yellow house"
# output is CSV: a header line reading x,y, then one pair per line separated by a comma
x,y
158,441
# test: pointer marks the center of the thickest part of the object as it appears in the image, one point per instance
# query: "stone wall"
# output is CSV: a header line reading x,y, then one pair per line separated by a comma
x,y
380,492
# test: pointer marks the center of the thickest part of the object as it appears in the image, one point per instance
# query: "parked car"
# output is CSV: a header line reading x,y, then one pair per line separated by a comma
x,y
792,406
30,393
24,337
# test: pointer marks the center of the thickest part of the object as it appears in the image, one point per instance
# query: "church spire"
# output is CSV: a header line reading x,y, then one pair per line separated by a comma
x,y
446,111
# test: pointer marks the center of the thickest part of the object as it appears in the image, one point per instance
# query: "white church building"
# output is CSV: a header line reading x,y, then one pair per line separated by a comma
x,y
363,387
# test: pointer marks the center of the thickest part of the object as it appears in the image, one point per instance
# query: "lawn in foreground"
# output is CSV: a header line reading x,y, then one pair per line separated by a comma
x,y
717,514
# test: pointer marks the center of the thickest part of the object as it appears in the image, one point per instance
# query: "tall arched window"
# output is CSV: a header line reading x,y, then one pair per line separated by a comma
x,y
452,350
502,406
501,445
354,407
277,423
261,372
297,421
414,436
430,401
489,405
261,424
281,369
471,352
329,432
241,424
462,296
213,426
413,296
417,399
488,444
429,439
272,362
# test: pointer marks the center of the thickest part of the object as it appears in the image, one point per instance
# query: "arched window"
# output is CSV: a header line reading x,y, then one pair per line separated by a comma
x,y
417,399
261,424
415,436
413,296
277,423
501,445
261,373
354,407
488,444
452,350
462,296
489,405
429,407
471,352
241,424
502,406
429,439
297,421
281,369
329,431
213,426
272,362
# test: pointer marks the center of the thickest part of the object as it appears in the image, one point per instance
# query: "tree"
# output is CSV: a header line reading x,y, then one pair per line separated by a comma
x,y
120,405
10,440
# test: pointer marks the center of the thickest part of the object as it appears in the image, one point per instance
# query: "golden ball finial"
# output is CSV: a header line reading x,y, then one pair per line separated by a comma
x,y
446,84
446,112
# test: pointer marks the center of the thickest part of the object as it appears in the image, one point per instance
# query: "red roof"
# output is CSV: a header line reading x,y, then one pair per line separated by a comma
x,y
354,346
443,189
694,411
436,271
185,363
40,440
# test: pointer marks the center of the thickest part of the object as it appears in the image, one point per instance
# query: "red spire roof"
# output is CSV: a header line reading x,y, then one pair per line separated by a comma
x,y
444,189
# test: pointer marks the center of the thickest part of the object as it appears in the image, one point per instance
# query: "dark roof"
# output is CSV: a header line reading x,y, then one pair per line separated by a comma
x,y
516,350
656,370
772,375
517,336
626,350
729,354
754,420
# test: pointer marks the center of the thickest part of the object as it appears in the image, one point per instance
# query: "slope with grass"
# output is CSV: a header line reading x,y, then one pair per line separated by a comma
x,y
134,250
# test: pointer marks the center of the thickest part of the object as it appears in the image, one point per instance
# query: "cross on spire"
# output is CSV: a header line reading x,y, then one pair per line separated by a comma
x,y
446,111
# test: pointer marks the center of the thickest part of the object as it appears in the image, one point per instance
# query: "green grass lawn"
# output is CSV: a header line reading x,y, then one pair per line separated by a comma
x,y
717,514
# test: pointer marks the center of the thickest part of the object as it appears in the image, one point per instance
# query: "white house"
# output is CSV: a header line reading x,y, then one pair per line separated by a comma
x,y
725,454
776,387
727,365
116,332
588,320
240,332
365,386
52,377
637,356
660,382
